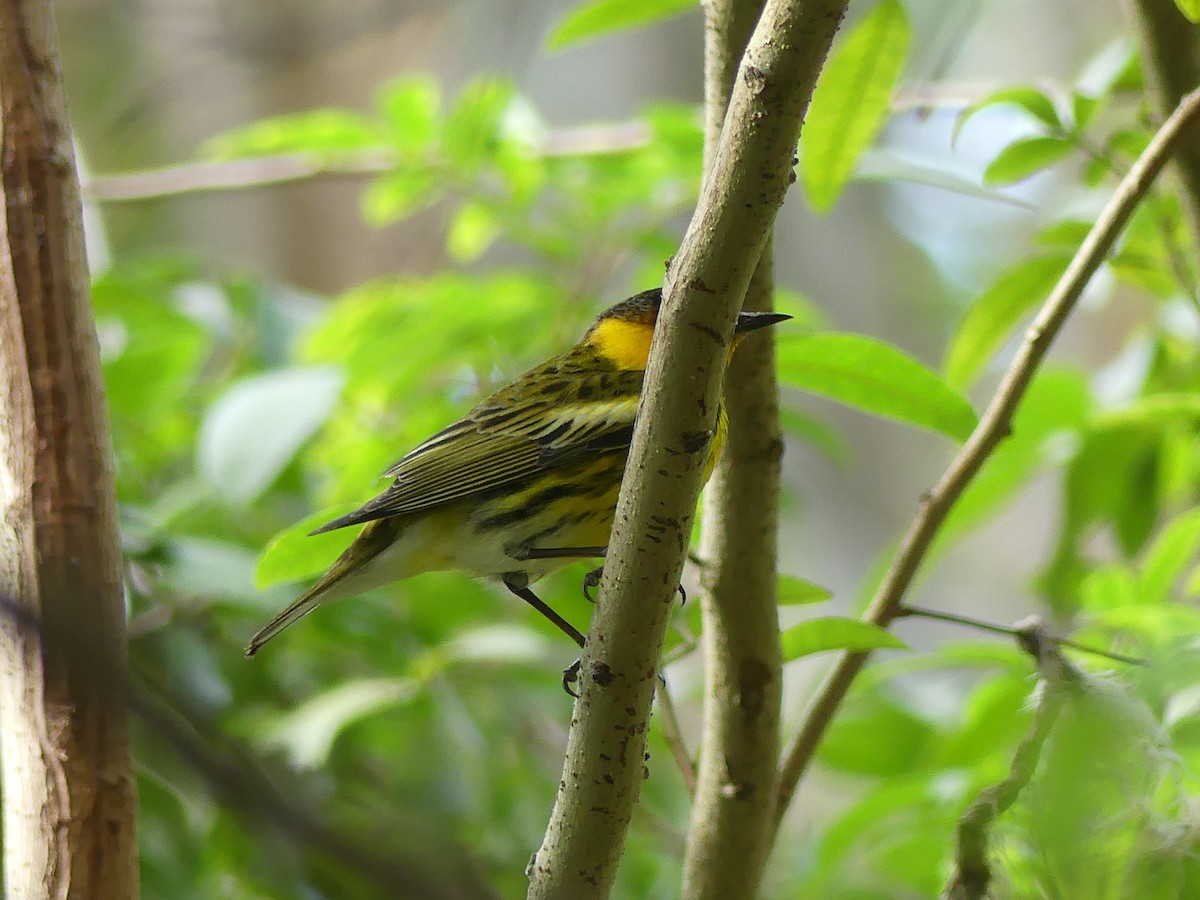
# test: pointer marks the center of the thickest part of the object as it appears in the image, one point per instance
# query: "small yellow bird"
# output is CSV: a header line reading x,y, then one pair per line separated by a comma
x,y
523,484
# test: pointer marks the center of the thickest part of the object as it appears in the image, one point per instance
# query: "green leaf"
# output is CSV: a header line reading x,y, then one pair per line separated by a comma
x,y
877,378
793,591
1030,99
400,193
472,231
1083,108
409,108
1056,405
294,554
1152,412
603,17
853,743
306,733
1167,557
888,164
989,320
325,132
252,432
1024,157
474,125
1190,10
851,101
835,633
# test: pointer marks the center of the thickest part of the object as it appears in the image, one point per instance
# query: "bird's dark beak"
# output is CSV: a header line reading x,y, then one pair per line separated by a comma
x,y
752,321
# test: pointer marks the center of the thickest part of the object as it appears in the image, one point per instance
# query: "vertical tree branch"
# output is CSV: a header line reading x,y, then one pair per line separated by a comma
x,y
730,829
972,875
751,171
994,425
1170,51
69,802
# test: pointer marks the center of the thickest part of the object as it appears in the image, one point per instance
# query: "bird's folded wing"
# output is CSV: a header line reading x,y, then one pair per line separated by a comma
x,y
502,441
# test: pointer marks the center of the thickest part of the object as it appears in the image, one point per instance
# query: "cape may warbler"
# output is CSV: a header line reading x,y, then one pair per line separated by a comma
x,y
522,484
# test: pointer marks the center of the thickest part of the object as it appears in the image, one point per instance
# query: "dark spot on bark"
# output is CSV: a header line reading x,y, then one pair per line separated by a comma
x,y
697,284
755,78
629,711
753,678
602,674
695,441
710,332
608,779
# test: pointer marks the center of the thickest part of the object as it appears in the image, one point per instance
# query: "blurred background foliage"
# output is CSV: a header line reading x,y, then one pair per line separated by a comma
x,y
440,195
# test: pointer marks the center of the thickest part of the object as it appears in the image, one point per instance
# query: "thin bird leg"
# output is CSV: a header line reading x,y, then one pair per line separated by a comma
x,y
571,672
564,552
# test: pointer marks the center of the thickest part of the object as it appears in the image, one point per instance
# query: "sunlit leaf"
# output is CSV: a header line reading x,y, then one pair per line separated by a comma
x,y
877,378
835,633
603,17
409,109
498,644
793,591
1025,97
472,230
294,554
252,432
889,164
851,101
324,132
1168,556
1190,9
1026,157
990,319
306,733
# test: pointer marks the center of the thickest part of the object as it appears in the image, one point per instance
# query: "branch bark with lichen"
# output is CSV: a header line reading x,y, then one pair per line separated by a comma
x,y
746,184
69,799
730,826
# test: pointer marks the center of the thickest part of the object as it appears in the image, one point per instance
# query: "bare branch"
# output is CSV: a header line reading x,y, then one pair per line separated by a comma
x,y
993,427
729,832
1012,631
674,735
271,171
972,874
750,175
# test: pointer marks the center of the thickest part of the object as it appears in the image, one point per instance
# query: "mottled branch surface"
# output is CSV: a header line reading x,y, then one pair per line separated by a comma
x,y
994,425
69,800
730,828
750,174
1170,50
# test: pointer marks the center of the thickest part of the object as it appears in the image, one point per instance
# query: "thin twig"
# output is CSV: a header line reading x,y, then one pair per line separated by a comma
x,y
1011,630
674,736
271,171
993,427
972,875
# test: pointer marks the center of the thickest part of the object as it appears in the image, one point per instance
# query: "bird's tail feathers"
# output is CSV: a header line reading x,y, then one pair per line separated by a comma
x,y
369,544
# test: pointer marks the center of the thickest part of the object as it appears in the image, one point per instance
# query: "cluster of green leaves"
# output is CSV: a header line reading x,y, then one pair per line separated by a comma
x,y
1107,813
245,415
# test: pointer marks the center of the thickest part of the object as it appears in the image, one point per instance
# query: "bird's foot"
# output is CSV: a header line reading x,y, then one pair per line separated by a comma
x,y
591,581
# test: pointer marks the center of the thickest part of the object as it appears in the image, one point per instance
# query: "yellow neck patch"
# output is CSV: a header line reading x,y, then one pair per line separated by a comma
x,y
626,343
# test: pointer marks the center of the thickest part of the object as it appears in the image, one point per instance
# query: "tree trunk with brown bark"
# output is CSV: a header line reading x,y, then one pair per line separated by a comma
x,y
69,798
